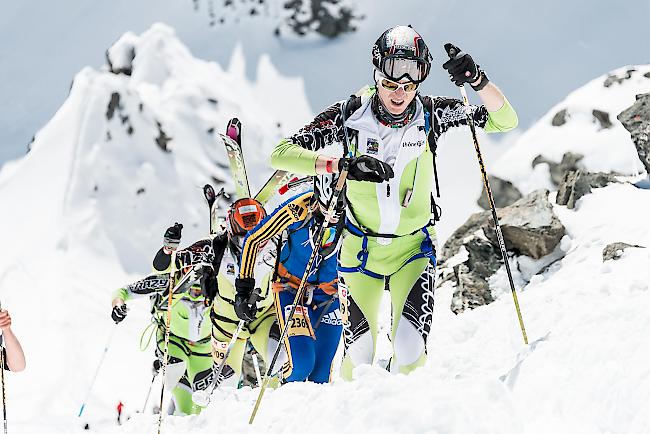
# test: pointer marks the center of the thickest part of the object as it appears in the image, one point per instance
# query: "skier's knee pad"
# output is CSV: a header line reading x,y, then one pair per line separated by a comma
x,y
408,345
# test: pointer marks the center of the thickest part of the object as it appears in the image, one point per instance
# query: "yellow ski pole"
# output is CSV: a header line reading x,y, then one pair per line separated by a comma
x,y
453,51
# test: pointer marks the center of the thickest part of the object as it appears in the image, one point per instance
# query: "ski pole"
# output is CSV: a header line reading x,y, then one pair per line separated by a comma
x,y
256,366
172,287
2,379
452,52
101,362
202,397
153,378
303,284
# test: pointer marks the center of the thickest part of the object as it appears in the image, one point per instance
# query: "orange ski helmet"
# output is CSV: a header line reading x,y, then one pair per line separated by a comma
x,y
243,215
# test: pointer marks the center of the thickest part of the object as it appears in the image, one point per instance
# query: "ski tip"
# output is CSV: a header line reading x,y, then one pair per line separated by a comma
x,y
282,190
233,130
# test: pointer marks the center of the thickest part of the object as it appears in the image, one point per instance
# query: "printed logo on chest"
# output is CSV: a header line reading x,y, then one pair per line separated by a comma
x,y
372,146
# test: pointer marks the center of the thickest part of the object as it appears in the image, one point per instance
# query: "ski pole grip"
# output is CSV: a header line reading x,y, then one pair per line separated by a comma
x,y
452,50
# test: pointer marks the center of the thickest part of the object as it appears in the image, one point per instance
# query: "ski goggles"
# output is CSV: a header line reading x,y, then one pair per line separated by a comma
x,y
393,86
397,68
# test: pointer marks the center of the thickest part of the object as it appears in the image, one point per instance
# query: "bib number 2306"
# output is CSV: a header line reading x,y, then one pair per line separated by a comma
x,y
300,324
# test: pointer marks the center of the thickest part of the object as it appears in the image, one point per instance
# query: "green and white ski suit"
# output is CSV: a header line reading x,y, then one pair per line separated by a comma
x,y
190,359
388,240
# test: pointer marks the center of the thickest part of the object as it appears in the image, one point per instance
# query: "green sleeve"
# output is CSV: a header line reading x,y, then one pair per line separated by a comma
x,y
294,158
122,293
502,120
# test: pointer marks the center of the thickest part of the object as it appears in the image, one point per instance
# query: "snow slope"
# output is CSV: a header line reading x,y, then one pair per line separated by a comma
x,y
605,149
585,370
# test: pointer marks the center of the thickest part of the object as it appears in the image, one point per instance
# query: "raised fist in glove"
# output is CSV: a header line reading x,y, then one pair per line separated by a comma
x,y
119,312
172,237
462,68
367,168
245,300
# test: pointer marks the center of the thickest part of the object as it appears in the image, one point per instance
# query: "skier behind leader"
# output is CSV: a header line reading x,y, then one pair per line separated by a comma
x,y
12,352
190,360
316,327
389,237
261,327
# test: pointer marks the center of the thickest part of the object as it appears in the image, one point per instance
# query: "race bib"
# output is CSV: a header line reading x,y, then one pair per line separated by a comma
x,y
218,350
300,324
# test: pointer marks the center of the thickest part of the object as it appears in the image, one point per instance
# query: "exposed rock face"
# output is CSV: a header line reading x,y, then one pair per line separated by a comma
x,y
615,250
325,17
474,223
560,118
636,119
618,79
602,118
570,161
529,227
578,183
504,193
472,289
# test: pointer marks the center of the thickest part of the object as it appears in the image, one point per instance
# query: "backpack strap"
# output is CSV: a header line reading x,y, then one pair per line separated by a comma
x,y
350,106
429,119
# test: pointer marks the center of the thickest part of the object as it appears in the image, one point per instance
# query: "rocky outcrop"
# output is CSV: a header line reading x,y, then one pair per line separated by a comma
x,y
602,118
559,118
618,79
578,183
570,161
504,193
615,250
529,228
636,119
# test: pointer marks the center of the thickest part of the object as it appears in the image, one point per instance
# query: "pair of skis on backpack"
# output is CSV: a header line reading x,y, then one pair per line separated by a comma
x,y
278,183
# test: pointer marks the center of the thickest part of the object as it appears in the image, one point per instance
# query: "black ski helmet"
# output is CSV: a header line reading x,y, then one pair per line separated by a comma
x,y
401,52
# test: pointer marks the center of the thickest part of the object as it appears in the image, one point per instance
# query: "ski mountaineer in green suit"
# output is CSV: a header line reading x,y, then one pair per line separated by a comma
x,y
190,359
224,250
389,141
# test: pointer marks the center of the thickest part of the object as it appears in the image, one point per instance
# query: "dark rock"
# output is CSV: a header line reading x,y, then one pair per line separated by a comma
x,y
558,170
529,226
602,118
163,139
618,79
476,221
615,250
113,105
579,183
471,290
140,191
504,193
636,119
647,75
126,68
560,118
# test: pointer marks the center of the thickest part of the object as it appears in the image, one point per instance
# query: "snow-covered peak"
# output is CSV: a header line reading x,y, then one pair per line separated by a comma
x,y
128,152
584,123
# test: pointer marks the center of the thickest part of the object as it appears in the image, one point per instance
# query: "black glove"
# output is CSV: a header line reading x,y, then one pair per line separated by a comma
x,y
462,68
155,368
209,285
172,237
119,313
245,301
367,168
